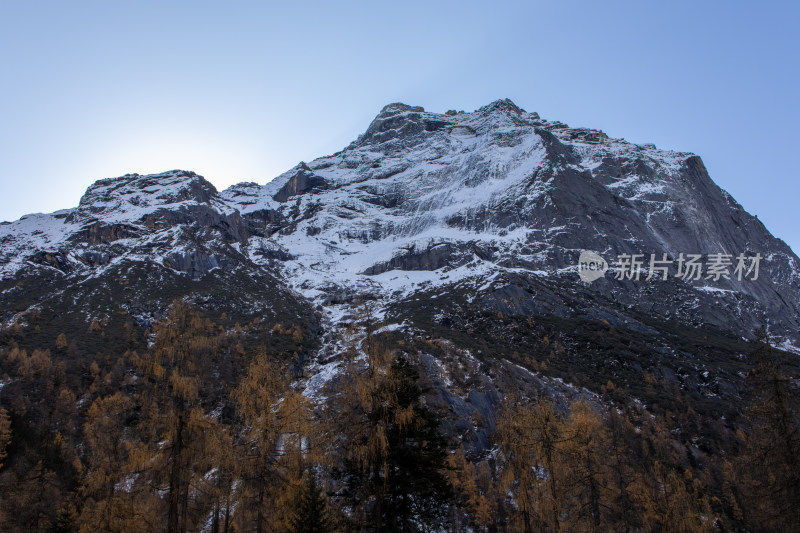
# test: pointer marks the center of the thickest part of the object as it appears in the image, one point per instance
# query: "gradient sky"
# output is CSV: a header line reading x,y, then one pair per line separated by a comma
x,y
242,91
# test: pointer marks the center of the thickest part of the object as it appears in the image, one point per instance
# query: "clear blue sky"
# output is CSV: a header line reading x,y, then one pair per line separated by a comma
x,y
244,90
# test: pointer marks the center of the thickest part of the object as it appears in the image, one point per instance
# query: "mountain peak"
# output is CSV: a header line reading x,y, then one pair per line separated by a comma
x,y
400,121
397,107
504,105
406,124
148,183
136,192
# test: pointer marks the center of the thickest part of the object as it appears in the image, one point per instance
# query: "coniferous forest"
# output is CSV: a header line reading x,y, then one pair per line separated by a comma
x,y
201,424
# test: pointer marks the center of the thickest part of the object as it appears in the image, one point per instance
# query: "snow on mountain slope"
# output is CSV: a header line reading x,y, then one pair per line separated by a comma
x,y
30,234
423,200
133,217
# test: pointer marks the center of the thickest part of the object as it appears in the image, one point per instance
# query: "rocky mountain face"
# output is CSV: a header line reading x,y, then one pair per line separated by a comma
x,y
464,228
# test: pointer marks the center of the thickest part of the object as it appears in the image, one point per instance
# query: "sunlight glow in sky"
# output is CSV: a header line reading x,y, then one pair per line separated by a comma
x,y
243,91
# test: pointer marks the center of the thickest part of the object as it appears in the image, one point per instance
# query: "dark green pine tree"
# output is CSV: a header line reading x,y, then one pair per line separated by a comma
x,y
310,516
64,521
771,458
416,488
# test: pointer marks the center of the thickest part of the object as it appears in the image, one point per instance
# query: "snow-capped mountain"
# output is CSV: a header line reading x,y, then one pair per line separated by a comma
x,y
457,237
498,202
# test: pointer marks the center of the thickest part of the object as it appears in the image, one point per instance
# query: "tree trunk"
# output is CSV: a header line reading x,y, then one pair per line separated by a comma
x,y
174,491
260,515
215,520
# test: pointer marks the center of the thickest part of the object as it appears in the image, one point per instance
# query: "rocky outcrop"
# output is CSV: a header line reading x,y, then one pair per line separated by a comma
x,y
196,264
98,232
401,122
303,181
57,260
433,257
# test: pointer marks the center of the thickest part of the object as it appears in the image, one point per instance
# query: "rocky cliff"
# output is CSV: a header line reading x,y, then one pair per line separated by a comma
x,y
465,227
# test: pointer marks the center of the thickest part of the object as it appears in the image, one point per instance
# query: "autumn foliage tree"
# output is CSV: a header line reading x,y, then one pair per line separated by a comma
x,y
277,444
584,452
174,427
576,469
257,403
393,455
108,504
529,436
475,491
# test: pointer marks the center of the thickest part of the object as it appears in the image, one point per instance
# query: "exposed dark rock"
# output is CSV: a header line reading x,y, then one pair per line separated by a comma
x,y
93,259
400,121
100,233
432,258
303,181
232,227
196,264
57,260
